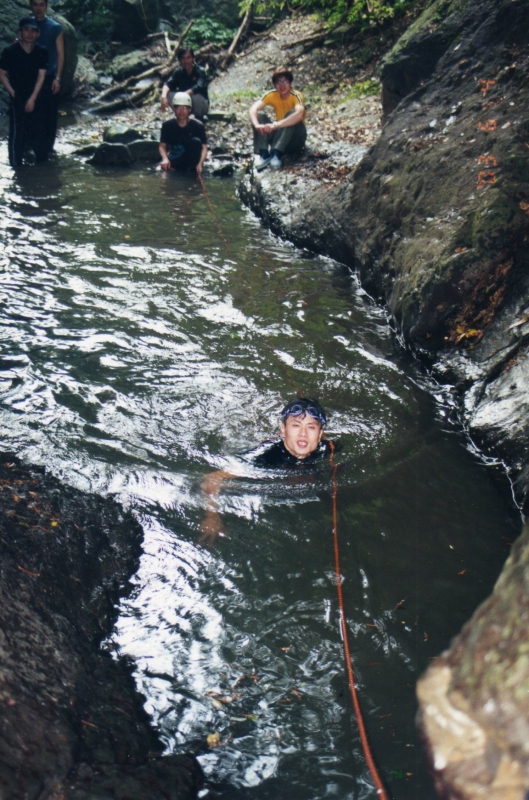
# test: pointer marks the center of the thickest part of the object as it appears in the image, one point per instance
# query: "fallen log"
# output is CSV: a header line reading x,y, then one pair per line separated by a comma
x,y
164,69
125,102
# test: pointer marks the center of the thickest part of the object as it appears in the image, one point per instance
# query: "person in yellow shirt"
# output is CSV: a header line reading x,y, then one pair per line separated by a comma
x,y
285,134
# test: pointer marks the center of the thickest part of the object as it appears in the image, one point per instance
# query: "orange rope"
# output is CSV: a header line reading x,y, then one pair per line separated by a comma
x,y
345,638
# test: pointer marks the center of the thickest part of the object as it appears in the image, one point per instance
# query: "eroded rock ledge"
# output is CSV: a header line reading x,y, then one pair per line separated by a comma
x,y
435,217
475,698
72,725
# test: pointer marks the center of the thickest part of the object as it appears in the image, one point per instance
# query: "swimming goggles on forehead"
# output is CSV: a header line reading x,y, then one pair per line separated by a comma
x,y
295,409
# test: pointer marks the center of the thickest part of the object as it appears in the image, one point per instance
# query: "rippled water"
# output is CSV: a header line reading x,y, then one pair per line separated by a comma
x,y
138,351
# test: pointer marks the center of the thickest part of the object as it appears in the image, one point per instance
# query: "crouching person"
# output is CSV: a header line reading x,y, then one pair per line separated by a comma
x,y
183,141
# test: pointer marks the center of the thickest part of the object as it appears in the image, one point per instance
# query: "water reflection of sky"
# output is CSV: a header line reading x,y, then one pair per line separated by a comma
x,y
136,354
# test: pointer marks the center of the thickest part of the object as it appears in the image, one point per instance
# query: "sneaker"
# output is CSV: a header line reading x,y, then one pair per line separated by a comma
x,y
261,162
275,162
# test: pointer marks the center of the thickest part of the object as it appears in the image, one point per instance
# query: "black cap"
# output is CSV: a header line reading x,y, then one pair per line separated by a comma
x,y
28,22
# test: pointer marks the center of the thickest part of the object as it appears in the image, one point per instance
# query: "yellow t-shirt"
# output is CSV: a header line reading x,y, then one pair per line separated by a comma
x,y
282,107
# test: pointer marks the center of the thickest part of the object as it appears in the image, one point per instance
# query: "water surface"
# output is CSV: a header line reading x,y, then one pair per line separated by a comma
x,y
139,350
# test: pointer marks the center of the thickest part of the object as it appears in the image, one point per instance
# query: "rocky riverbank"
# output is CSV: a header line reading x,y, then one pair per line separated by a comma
x,y
72,723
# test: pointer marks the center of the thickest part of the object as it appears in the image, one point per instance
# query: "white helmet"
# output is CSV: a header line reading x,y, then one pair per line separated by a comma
x,y
182,99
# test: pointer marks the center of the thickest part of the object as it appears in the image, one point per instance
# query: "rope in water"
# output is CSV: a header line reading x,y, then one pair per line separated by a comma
x,y
213,214
338,577
343,622
345,638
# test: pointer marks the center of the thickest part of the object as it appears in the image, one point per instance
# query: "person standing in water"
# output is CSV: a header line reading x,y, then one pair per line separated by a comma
x,y
22,73
299,444
52,38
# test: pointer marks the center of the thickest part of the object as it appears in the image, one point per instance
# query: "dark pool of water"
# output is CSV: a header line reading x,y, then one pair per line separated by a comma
x,y
139,350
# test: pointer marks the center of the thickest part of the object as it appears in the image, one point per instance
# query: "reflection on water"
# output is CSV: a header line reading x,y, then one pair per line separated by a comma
x,y
136,353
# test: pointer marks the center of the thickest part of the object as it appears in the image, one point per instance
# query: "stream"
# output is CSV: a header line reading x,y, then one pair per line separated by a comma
x,y
141,349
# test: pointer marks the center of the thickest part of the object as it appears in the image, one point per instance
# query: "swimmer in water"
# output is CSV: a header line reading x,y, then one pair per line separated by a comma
x,y
299,444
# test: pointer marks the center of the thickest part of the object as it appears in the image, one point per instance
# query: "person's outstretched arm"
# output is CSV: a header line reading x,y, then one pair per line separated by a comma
x,y
212,525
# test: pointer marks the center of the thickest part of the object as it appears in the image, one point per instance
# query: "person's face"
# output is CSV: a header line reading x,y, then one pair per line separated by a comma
x,y
38,8
28,35
187,62
182,113
301,435
283,86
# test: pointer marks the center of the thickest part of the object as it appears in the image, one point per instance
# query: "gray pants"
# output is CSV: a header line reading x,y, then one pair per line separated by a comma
x,y
199,105
286,140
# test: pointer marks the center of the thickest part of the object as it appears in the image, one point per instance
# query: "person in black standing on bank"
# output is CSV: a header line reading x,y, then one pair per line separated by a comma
x,y
52,38
22,73
183,141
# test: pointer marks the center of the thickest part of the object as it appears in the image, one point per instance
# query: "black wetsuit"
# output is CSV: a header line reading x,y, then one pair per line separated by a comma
x,y
273,454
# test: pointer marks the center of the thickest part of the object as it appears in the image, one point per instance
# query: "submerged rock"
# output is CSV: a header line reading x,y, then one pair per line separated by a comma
x,y
144,150
73,725
112,155
474,700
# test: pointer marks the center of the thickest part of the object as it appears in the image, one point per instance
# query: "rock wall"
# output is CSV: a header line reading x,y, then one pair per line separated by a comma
x,y
475,698
72,725
435,217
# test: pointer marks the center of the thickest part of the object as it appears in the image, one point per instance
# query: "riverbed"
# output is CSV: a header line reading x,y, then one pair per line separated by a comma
x,y
149,337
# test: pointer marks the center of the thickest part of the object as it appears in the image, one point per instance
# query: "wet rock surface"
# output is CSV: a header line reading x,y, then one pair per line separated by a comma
x,y
72,724
475,698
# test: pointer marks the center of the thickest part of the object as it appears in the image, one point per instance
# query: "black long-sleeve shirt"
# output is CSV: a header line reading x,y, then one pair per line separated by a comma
x,y
180,81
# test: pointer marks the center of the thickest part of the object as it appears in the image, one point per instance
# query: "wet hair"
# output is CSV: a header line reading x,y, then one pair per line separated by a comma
x,y
302,406
182,51
282,72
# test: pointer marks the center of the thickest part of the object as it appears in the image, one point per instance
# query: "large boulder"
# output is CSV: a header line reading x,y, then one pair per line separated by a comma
x,y
86,75
131,64
72,723
474,699
120,134
135,19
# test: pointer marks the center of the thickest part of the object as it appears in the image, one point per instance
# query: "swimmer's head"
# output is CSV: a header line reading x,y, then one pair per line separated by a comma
x,y
304,406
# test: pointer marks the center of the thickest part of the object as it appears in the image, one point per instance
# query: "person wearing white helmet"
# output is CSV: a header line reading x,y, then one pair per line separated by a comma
x,y
183,141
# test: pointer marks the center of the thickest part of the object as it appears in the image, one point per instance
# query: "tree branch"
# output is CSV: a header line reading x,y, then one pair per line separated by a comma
x,y
242,29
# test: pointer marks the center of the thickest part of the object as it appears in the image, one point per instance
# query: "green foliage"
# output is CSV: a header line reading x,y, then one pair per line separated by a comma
x,y
208,30
94,18
359,14
363,89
